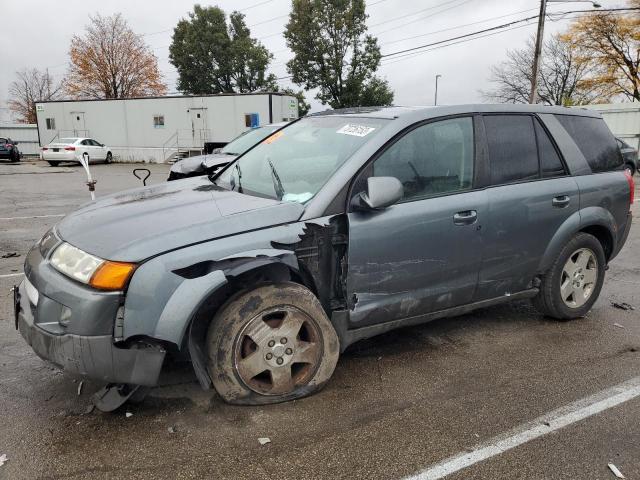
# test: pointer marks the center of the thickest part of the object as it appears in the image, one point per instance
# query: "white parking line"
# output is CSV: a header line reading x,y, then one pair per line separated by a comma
x,y
555,420
11,275
33,216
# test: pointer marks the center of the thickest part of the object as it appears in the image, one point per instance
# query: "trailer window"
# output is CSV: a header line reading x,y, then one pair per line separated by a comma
x,y
158,121
51,123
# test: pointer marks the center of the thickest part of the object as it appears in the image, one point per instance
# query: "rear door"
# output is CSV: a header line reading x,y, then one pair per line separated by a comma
x,y
530,195
422,254
100,152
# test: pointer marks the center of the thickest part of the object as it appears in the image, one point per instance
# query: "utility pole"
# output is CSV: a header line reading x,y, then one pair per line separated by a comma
x,y
533,97
435,100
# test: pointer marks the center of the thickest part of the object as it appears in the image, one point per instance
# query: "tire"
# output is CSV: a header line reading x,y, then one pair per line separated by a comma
x,y
631,168
262,332
53,163
15,157
572,284
109,158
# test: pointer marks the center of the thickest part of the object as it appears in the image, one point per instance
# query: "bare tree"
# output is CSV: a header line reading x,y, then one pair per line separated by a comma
x,y
563,76
111,61
29,87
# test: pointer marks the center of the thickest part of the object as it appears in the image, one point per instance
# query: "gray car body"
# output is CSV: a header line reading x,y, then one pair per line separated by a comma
x,y
196,244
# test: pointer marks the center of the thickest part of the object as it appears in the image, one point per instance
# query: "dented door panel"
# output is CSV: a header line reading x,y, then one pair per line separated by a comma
x,y
412,258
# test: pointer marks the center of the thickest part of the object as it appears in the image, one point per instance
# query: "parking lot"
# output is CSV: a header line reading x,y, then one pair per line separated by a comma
x,y
397,405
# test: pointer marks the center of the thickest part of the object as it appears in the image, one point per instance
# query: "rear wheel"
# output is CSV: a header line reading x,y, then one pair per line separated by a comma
x,y
573,283
53,163
271,344
630,168
15,157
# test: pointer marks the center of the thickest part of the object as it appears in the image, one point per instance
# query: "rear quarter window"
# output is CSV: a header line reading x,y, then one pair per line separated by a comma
x,y
595,141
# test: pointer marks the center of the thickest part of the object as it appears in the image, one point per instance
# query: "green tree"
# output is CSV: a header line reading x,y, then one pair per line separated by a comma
x,y
213,56
334,53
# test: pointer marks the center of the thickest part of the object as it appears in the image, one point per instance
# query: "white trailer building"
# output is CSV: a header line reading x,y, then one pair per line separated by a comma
x,y
157,129
623,120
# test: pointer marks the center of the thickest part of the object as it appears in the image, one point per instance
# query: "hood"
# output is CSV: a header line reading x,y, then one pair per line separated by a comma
x,y
137,224
201,162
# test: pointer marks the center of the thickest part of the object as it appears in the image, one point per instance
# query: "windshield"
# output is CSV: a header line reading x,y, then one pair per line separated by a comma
x,y
294,163
248,139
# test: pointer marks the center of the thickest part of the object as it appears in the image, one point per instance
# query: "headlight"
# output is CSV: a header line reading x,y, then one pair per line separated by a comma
x,y
91,270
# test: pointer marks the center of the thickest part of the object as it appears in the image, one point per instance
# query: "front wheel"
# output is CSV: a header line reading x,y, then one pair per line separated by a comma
x,y
109,158
271,344
573,283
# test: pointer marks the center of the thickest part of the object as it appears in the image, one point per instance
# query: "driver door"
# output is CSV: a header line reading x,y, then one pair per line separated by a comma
x,y
422,254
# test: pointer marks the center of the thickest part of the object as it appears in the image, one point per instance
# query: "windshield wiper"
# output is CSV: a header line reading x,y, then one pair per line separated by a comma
x,y
277,183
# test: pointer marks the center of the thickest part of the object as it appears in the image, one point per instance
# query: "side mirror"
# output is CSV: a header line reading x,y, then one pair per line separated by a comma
x,y
382,192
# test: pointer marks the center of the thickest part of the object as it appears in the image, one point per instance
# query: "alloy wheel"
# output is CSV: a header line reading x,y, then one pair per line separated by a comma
x,y
278,351
579,277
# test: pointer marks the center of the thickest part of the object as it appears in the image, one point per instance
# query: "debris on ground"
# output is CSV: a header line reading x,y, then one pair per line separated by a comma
x,y
264,440
10,255
615,470
3,459
617,325
80,387
622,306
172,429
128,414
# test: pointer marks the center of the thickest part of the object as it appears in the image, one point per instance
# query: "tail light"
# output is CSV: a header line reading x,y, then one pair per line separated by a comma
x,y
70,148
8,145
632,187
45,148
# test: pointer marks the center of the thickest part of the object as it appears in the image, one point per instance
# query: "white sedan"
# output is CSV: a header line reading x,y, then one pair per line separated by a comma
x,y
73,149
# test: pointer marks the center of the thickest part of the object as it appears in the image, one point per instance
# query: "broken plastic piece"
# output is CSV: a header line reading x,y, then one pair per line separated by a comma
x,y
3,459
615,470
264,440
618,325
172,429
113,396
128,414
622,306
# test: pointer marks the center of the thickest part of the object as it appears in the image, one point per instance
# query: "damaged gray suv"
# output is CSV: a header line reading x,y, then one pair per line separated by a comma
x,y
341,226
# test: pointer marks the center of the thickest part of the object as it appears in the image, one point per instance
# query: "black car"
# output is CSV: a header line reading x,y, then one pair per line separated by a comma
x,y
9,149
630,156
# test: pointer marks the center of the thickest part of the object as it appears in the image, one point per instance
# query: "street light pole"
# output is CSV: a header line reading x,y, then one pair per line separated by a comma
x,y
435,100
533,97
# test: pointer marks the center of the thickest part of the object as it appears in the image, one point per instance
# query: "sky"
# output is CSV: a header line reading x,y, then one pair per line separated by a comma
x,y
40,31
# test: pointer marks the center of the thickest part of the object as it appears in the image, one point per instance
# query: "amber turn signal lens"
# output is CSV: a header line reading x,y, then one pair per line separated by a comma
x,y
112,275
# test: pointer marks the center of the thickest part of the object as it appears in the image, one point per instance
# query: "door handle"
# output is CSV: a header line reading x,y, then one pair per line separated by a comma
x,y
561,201
466,217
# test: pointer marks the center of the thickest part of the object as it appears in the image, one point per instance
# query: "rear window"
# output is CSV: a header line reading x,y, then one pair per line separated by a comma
x,y
67,140
595,141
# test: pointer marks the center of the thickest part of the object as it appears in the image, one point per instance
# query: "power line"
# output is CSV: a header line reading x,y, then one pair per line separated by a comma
x,y
414,13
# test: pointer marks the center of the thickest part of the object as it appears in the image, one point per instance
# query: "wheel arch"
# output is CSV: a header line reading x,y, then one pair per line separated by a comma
x,y
596,221
242,274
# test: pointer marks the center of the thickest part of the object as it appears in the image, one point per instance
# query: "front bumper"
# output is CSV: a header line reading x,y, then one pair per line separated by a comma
x,y
95,357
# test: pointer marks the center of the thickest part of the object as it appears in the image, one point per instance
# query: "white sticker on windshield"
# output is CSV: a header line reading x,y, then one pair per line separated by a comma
x,y
356,130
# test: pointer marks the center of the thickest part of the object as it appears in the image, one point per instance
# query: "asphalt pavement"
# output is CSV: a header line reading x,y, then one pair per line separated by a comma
x,y
397,406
